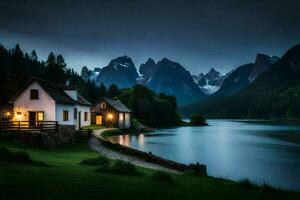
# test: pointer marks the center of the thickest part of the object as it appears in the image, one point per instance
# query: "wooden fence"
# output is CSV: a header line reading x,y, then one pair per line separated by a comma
x,y
82,133
22,126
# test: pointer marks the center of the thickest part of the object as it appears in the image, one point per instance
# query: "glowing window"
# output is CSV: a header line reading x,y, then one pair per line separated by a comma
x,y
40,116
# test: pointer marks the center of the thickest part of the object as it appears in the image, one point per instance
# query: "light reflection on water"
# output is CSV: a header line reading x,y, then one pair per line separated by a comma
x,y
261,151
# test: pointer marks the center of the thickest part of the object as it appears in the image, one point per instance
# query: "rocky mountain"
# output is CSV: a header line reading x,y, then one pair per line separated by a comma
x,y
147,69
171,78
210,82
236,80
89,74
275,93
120,71
165,76
262,62
241,77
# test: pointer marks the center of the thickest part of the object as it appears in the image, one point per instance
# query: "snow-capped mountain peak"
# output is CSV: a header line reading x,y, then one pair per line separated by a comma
x,y
210,82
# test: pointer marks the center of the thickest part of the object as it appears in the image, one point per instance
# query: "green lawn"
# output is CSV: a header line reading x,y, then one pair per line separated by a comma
x,y
66,178
93,127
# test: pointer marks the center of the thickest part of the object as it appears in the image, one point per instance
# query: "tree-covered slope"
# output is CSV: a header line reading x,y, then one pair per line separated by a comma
x,y
274,94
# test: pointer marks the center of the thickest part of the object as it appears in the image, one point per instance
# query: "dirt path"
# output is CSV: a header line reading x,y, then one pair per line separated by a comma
x,y
96,145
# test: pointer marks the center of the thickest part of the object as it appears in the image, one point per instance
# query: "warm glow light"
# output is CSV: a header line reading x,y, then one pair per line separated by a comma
x,y
8,114
40,116
19,116
110,116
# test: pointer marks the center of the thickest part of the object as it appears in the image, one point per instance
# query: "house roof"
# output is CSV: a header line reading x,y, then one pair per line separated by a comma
x,y
116,104
81,100
56,91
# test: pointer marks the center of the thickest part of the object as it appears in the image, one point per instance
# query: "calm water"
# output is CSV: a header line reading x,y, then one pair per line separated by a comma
x,y
261,151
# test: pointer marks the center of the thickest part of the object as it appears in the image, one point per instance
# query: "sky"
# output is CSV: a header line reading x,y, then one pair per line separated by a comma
x,y
199,34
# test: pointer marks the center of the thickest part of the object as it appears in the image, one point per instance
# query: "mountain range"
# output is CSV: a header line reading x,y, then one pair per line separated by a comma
x,y
273,91
164,76
173,79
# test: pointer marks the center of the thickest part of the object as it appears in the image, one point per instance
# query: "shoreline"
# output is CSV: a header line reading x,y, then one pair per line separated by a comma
x,y
150,158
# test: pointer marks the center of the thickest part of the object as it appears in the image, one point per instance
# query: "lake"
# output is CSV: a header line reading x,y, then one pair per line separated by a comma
x,y
262,151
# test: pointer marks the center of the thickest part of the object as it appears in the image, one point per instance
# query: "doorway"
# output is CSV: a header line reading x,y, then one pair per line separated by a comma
x,y
32,118
99,120
35,117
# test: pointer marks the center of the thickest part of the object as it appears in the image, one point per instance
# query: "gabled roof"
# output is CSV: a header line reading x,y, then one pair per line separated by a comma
x,y
115,103
81,100
56,91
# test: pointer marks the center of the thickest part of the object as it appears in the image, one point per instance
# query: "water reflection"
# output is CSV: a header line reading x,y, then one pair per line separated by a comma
x,y
262,151
141,140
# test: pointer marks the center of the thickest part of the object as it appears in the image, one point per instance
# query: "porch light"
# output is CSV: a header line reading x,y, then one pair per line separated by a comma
x,y
110,116
8,114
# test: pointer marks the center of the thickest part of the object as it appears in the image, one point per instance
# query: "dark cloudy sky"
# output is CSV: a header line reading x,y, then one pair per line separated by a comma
x,y
199,34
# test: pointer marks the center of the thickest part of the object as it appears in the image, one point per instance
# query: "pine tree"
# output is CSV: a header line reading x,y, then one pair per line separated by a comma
x,y
60,61
113,91
19,73
102,91
50,67
33,56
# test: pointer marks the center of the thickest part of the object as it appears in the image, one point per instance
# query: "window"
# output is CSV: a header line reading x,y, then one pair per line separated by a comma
x,y
86,116
66,115
75,113
19,116
103,105
40,116
34,94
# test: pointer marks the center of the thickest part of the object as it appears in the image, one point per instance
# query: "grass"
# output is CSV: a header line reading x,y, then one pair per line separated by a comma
x,y
111,166
112,132
119,167
270,189
67,178
18,157
93,127
100,160
162,177
247,184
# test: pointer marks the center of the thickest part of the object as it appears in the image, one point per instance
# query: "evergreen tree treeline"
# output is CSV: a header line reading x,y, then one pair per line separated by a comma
x,y
18,67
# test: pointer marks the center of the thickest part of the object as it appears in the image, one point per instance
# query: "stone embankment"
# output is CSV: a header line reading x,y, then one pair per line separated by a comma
x,y
139,157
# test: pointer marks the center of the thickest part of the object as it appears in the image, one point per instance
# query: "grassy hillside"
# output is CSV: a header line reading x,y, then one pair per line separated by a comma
x,y
64,177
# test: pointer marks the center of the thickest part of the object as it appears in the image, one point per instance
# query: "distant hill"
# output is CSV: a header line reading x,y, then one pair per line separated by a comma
x,y
273,94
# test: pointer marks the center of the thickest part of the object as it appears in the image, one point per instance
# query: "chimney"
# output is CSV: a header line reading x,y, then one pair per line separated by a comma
x,y
68,82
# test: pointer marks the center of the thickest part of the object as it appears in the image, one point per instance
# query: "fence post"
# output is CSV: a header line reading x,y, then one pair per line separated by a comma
x,y
19,124
56,126
42,123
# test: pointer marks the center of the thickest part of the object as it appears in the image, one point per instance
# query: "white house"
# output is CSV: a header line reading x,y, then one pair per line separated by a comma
x,y
41,100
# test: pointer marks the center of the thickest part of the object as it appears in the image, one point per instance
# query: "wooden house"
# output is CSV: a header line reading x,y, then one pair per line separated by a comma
x,y
110,112
40,100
